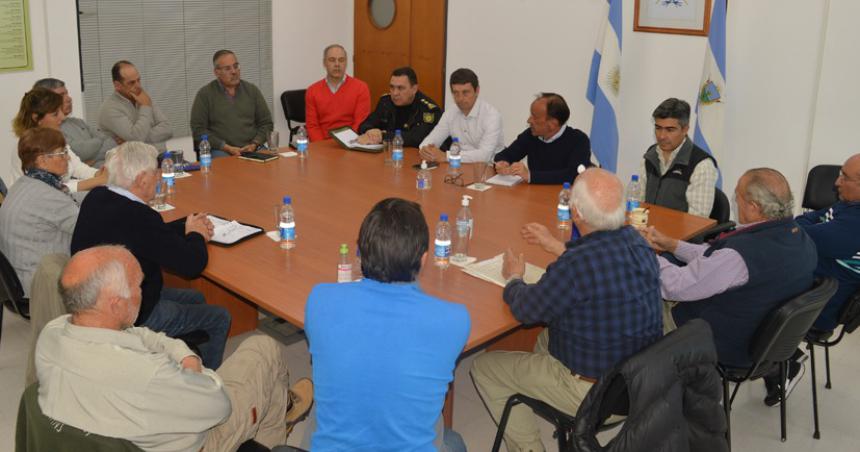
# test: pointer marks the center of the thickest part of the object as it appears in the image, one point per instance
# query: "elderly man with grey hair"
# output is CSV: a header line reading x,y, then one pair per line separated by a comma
x,y
608,277
88,142
119,214
737,279
99,373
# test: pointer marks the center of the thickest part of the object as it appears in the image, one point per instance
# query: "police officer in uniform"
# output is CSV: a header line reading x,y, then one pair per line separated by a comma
x,y
405,108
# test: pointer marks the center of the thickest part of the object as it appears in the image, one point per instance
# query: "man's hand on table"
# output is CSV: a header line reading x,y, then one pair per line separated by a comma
x,y
432,154
513,265
199,223
372,136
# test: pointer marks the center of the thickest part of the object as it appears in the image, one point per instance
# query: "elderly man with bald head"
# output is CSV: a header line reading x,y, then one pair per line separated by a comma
x,y
608,271
737,279
99,373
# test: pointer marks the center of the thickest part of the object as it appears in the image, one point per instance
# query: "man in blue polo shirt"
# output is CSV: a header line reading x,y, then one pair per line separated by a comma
x,y
383,351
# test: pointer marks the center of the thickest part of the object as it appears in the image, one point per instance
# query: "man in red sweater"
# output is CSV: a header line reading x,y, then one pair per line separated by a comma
x,y
337,100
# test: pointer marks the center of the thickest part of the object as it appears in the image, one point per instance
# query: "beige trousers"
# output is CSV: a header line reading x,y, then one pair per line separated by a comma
x,y
256,380
499,375
668,320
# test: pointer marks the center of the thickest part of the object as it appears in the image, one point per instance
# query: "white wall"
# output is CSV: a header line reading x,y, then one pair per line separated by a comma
x,y
774,47
301,30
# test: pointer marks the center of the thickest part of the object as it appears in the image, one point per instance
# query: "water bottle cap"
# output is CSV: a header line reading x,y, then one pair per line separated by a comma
x,y
443,217
397,132
344,249
455,140
423,164
566,185
634,178
580,168
204,137
288,200
465,202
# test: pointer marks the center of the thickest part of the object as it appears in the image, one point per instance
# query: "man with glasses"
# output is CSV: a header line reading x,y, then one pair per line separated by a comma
x,y
231,111
128,114
404,108
836,233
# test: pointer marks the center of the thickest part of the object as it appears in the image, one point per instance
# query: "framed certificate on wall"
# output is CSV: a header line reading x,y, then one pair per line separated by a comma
x,y
682,17
15,47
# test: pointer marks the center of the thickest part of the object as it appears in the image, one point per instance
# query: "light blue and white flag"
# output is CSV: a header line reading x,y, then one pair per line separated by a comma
x,y
711,103
604,83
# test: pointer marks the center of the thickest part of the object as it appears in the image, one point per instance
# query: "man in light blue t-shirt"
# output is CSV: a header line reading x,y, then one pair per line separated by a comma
x,y
383,351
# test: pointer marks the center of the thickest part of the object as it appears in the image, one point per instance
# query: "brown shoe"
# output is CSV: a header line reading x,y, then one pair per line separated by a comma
x,y
301,399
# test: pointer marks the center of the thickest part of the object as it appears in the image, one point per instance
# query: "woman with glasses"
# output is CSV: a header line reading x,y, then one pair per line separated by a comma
x,y
38,216
44,108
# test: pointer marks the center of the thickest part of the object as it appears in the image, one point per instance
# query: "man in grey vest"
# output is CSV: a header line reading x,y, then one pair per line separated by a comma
x,y
675,172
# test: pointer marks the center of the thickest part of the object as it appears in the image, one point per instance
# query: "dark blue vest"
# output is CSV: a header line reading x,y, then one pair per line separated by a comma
x,y
780,259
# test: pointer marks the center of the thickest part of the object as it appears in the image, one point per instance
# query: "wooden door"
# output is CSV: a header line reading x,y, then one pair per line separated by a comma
x,y
416,37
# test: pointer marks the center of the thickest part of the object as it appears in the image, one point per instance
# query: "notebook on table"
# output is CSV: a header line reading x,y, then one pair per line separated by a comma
x,y
259,157
349,139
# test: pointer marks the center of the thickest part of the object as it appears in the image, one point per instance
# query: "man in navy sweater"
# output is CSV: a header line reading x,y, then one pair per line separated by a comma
x,y
554,150
118,214
836,233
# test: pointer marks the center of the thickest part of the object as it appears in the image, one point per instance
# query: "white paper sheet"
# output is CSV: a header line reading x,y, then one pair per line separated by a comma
x,y
491,270
349,137
228,232
505,180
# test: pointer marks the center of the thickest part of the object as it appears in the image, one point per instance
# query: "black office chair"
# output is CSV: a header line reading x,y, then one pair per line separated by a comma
x,y
11,291
293,103
775,342
721,211
665,374
820,192
849,319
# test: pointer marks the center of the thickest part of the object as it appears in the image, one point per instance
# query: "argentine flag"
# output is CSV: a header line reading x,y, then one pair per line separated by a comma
x,y
711,102
604,82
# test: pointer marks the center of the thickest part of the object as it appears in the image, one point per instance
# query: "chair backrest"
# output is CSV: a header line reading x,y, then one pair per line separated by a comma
x,y
661,382
781,332
46,303
820,192
36,432
10,285
722,210
293,102
850,316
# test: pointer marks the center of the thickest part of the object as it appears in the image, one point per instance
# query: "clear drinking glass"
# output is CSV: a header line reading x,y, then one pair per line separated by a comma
x,y
178,157
159,202
274,140
386,149
480,169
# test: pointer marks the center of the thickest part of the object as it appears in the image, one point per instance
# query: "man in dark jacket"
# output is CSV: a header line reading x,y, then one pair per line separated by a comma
x,y
738,279
554,150
118,214
405,109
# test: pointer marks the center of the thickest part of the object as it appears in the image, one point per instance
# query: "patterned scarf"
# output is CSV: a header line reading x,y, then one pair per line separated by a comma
x,y
48,178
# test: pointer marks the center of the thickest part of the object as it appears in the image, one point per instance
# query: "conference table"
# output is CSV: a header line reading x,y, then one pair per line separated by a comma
x,y
332,190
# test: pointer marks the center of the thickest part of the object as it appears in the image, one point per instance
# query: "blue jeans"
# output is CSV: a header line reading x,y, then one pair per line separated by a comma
x,y
181,311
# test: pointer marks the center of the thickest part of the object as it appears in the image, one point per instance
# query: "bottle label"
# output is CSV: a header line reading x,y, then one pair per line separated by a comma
x,y
563,212
288,231
442,248
301,146
454,161
344,273
632,204
168,177
464,228
205,160
397,155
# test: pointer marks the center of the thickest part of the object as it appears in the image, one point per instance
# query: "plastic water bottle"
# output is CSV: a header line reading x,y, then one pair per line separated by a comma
x,y
167,173
205,154
454,158
424,180
563,211
356,266
465,225
442,248
397,150
634,193
344,266
302,142
287,224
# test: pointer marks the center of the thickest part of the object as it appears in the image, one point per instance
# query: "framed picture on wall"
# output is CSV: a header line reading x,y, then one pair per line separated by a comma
x,y
681,17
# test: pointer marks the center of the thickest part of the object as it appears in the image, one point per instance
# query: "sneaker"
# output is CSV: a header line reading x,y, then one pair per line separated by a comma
x,y
796,369
301,399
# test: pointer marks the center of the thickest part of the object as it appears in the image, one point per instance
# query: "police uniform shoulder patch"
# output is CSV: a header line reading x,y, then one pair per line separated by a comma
x,y
429,116
429,104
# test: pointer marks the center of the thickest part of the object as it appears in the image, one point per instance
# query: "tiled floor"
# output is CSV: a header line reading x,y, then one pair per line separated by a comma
x,y
755,426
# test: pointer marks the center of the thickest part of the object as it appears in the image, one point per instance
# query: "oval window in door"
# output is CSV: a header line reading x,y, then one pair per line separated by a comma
x,y
382,12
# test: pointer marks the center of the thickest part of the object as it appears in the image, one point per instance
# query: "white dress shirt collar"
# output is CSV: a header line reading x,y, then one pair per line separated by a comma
x,y
123,192
556,136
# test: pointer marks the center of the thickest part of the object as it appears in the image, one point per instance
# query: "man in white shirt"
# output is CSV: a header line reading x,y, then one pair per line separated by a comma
x,y
99,373
477,124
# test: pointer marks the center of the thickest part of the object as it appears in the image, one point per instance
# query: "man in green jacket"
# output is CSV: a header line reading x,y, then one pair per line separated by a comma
x,y
230,111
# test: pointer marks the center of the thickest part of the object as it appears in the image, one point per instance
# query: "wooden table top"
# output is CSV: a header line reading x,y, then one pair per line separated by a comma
x,y
332,191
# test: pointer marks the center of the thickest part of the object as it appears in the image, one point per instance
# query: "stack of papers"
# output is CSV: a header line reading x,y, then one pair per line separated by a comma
x,y
491,270
229,232
348,138
506,180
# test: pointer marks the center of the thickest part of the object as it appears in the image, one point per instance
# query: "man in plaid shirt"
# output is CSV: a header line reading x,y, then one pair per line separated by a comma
x,y
600,300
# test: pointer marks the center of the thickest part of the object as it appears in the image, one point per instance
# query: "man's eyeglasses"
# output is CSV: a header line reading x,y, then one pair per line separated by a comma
x,y
845,177
64,152
455,180
235,66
